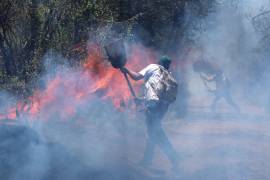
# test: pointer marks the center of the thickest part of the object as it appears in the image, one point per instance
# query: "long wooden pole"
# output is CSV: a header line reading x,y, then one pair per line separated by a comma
x,y
129,85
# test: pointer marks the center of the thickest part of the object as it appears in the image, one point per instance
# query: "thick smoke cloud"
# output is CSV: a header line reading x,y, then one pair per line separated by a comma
x,y
229,39
228,145
99,141
77,130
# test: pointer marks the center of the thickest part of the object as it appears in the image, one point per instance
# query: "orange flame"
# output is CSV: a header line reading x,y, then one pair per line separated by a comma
x,y
69,89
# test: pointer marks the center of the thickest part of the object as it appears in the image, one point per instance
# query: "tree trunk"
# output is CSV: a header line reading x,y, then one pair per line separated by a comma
x,y
7,58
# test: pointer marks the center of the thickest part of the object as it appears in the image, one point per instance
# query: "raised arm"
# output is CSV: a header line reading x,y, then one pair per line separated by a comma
x,y
134,75
208,78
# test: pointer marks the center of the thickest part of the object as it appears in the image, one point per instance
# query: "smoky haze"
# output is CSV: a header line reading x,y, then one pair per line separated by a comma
x,y
100,141
230,39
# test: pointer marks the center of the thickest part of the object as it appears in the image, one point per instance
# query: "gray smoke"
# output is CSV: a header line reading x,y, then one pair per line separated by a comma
x,y
229,37
100,142
225,144
95,143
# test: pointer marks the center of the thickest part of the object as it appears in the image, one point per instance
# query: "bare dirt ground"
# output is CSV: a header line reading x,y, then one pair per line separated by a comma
x,y
217,146
222,145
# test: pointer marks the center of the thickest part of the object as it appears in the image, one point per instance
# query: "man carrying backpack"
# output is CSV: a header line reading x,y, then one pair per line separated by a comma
x,y
160,91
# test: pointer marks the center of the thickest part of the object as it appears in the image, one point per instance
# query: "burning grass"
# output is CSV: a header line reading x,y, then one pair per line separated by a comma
x,y
67,90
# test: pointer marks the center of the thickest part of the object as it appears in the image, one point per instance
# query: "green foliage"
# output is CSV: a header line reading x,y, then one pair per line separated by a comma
x,y
30,28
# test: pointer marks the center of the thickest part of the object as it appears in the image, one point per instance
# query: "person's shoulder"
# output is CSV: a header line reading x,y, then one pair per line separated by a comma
x,y
154,66
149,68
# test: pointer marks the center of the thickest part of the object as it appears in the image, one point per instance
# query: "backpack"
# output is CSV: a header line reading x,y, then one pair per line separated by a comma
x,y
165,86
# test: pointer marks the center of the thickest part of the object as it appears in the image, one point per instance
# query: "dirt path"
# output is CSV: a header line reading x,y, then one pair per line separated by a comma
x,y
220,146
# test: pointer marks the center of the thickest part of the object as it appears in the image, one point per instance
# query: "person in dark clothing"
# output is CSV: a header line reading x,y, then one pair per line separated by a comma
x,y
211,73
155,111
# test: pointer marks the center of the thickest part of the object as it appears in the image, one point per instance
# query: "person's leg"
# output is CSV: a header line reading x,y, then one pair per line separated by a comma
x,y
150,142
148,152
230,101
161,139
166,146
214,103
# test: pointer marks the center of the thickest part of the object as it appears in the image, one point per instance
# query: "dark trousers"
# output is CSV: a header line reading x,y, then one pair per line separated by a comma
x,y
156,134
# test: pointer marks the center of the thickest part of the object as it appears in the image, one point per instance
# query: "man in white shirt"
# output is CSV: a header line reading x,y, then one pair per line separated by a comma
x,y
156,108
